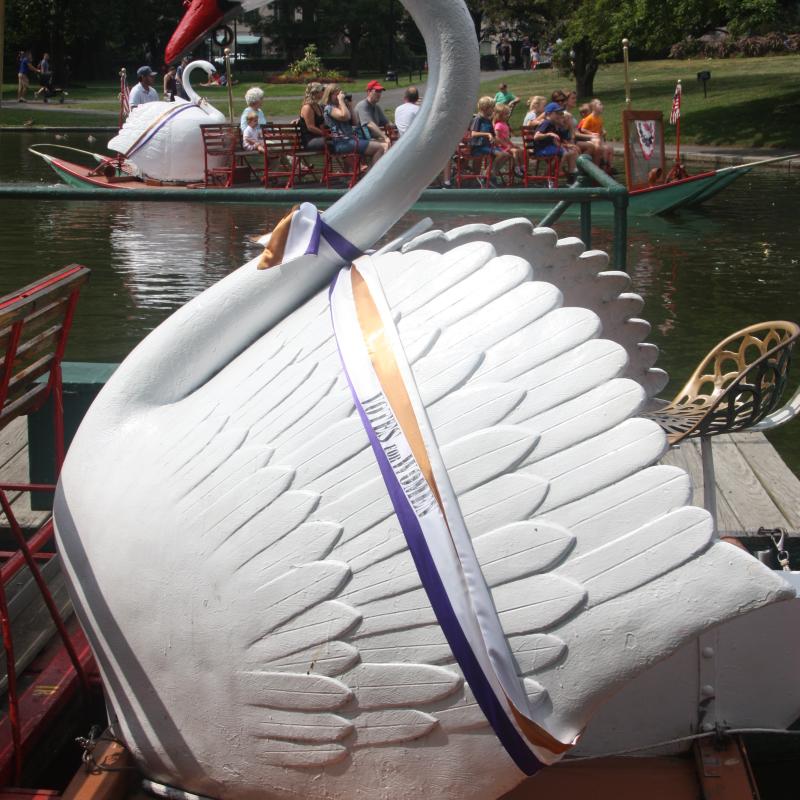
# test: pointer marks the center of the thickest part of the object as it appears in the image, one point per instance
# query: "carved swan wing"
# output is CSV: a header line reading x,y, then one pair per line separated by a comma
x,y
286,605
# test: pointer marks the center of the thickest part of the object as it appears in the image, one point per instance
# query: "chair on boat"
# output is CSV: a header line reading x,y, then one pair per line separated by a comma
x,y
471,167
738,386
391,133
224,160
532,171
34,325
340,165
284,156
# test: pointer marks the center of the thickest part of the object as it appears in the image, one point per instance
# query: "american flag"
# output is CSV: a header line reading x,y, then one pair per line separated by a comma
x,y
675,114
124,94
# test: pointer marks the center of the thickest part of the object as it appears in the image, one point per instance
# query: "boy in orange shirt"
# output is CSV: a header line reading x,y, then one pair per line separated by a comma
x,y
593,124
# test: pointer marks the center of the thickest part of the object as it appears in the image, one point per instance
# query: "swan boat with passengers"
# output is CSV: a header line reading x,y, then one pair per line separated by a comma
x,y
168,149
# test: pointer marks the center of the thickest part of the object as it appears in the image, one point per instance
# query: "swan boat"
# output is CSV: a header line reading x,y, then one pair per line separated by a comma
x,y
391,525
160,144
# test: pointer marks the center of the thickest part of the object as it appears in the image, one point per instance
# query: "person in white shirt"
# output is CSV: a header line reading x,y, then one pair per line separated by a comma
x,y
254,97
404,114
144,92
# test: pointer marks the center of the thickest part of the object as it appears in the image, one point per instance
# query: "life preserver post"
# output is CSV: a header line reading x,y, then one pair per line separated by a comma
x,y
223,36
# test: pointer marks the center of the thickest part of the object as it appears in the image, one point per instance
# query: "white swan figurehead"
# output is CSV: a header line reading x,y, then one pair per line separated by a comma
x,y
163,139
234,556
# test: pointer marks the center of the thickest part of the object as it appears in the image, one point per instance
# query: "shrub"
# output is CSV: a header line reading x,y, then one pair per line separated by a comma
x,y
749,46
310,64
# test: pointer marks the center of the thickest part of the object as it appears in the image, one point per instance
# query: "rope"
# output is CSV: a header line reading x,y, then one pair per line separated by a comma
x,y
682,739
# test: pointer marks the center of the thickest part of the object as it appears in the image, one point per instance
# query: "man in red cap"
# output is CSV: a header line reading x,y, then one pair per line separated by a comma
x,y
370,113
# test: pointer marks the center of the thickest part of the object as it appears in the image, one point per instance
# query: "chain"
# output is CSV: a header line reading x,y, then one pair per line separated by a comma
x,y
778,538
89,743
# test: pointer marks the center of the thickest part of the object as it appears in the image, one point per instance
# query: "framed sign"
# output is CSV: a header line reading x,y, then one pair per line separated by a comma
x,y
644,148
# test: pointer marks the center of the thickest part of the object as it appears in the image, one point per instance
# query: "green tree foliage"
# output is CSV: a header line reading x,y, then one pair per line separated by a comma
x,y
98,36
368,29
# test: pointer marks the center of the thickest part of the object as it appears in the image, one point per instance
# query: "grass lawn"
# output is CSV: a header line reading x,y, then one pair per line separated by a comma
x,y
97,103
752,102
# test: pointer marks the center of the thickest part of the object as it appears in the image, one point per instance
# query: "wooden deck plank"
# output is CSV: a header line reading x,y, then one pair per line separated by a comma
x,y
687,456
13,439
780,483
14,468
744,492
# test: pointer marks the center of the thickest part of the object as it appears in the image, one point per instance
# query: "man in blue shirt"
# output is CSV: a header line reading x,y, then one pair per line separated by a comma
x,y
23,75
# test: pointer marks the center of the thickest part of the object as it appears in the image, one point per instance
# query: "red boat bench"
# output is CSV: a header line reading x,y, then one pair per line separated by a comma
x,y
34,324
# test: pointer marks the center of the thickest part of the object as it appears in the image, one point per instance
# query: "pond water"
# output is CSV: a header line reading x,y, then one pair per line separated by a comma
x,y
703,274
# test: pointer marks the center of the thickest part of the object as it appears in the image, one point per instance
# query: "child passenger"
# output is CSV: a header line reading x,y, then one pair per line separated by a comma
x,y
482,135
251,137
547,141
502,136
535,113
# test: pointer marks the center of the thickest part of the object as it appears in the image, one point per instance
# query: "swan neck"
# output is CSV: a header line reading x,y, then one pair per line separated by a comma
x,y
394,184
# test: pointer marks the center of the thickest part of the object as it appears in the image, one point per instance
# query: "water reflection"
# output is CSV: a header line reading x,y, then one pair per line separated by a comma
x,y
166,258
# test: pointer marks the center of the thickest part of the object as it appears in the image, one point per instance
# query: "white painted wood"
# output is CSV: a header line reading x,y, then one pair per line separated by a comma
x,y
520,549
400,685
290,691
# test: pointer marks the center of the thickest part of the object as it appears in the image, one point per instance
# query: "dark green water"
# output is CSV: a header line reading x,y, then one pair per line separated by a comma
x,y
703,274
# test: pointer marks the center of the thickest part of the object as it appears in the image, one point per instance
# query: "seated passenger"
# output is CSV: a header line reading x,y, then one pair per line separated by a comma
x,y
340,117
593,124
535,113
547,140
312,118
502,136
482,139
505,97
369,113
405,113
254,97
251,136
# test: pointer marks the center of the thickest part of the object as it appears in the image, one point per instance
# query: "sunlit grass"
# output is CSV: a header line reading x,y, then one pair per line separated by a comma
x,y
752,102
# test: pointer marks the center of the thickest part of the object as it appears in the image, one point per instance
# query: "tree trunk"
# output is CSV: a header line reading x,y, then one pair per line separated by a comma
x,y
355,44
585,66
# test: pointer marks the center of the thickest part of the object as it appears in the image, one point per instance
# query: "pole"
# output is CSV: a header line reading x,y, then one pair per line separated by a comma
x,y
123,82
627,77
2,44
678,132
229,82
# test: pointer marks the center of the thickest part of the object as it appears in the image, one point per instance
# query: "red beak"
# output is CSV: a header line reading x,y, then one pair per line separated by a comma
x,y
201,17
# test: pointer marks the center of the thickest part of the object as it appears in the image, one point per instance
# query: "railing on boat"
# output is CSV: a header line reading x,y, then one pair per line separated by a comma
x,y
34,324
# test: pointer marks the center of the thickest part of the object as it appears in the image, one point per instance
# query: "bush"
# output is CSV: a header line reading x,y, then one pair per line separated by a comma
x,y
748,46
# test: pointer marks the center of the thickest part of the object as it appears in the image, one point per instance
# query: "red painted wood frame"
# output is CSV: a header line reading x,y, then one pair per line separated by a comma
x,y
471,167
34,325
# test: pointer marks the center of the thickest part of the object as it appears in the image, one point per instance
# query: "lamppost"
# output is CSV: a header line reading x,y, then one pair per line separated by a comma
x,y
392,65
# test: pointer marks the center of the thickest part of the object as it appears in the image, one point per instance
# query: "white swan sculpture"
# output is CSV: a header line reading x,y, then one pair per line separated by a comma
x,y
233,551
163,140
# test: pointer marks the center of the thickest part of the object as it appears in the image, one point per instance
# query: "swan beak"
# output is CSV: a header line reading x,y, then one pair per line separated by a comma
x,y
201,17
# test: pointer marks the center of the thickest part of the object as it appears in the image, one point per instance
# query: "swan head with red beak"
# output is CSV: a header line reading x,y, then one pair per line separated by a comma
x,y
201,17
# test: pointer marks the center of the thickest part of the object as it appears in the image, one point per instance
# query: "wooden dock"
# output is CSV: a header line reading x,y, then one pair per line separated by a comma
x,y
755,488
14,469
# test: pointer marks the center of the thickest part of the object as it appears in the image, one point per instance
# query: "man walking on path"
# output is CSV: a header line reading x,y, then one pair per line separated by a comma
x,y
23,75
45,77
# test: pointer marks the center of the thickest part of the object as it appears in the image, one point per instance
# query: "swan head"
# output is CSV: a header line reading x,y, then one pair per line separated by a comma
x,y
202,16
